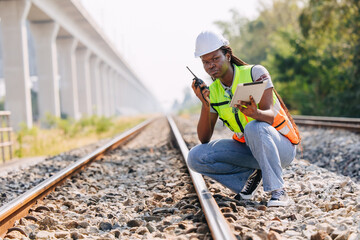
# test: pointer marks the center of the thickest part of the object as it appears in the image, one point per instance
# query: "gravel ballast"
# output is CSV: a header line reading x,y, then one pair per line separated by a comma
x,y
143,191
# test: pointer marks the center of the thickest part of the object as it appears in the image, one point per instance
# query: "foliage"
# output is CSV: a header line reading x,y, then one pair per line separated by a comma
x,y
190,104
2,103
24,131
85,125
312,52
65,134
323,59
34,104
193,109
251,39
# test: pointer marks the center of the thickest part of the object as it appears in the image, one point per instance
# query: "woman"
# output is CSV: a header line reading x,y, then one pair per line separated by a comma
x,y
264,137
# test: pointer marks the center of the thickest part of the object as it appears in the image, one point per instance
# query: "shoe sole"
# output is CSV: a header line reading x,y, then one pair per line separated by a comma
x,y
250,196
278,204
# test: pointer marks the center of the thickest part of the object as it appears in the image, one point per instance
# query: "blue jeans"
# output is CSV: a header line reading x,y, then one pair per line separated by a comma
x,y
231,162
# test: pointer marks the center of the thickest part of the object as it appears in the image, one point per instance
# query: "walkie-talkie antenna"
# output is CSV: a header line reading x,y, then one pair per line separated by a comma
x,y
191,71
199,83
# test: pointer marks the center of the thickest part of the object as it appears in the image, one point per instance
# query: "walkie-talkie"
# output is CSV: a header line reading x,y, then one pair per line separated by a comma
x,y
198,83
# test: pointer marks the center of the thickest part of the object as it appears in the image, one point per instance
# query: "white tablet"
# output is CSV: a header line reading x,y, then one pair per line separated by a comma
x,y
244,90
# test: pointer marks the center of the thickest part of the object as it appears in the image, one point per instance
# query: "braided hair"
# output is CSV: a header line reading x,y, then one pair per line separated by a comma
x,y
235,60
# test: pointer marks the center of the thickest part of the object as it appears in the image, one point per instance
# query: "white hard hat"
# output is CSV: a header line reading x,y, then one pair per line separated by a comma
x,y
208,41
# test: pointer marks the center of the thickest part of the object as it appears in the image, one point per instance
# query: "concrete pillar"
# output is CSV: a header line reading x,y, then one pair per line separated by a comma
x,y
112,91
109,90
68,82
105,89
147,99
96,97
117,93
144,102
108,82
16,64
83,81
133,97
124,96
44,34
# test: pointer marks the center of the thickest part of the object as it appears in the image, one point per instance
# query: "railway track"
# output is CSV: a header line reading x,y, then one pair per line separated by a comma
x,y
218,225
20,206
168,204
352,124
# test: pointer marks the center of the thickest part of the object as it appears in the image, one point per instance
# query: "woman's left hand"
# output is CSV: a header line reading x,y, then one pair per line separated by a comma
x,y
248,108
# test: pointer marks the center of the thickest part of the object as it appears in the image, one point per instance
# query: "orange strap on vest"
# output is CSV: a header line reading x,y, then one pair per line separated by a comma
x,y
242,139
284,126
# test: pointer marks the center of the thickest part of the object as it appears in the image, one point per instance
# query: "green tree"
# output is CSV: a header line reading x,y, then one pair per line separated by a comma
x,y
318,67
312,52
250,40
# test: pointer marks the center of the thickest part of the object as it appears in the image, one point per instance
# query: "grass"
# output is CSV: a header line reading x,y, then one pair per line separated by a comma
x,y
65,134
194,109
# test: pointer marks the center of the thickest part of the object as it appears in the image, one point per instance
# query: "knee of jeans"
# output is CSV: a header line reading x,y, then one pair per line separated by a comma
x,y
193,158
254,129
287,161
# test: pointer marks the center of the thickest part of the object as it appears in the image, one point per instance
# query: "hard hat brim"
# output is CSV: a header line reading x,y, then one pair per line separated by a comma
x,y
207,42
199,54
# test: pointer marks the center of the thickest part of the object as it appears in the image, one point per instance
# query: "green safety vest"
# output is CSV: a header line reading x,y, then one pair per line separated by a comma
x,y
220,100
234,119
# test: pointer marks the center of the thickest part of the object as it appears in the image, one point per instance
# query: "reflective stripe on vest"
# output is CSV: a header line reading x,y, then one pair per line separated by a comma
x,y
234,119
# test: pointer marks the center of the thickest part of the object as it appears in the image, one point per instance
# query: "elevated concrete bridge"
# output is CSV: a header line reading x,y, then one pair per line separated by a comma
x,y
79,72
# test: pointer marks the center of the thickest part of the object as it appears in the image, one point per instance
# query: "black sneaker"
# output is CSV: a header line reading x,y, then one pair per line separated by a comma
x,y
251,185
279,198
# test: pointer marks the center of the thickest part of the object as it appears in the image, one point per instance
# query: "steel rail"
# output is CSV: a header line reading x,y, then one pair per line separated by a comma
x,y
20,206
329,119
334,122
219,227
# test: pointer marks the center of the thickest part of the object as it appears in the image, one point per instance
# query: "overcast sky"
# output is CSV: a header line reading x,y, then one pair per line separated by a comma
x,y
157,37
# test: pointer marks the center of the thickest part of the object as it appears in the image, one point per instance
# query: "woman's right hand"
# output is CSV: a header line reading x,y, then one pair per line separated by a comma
x,y
204,97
